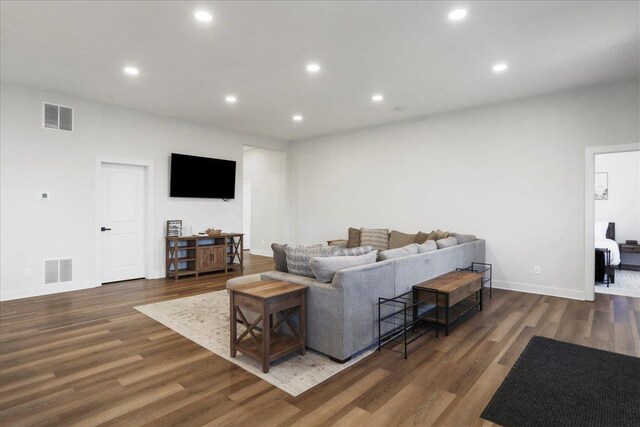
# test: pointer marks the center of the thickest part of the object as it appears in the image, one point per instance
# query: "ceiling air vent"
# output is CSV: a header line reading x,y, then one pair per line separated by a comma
x,y
57,117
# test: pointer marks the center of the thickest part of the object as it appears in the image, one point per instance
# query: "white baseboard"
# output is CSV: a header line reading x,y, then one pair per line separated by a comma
x,y
44,290
540,290
260,252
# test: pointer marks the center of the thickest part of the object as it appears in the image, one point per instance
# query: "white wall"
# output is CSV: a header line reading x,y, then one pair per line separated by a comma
x,y
34,159
266,170
623,204
511,173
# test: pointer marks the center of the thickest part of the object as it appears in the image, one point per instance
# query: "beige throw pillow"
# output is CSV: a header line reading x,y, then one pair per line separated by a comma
x,y
378,238
399,240
354,238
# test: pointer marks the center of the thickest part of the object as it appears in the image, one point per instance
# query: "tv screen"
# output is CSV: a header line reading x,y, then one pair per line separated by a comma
x,y
202,177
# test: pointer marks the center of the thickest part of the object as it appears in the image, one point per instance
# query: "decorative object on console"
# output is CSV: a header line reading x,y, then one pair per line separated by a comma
x,y
213,232
376,237
601,186
174,227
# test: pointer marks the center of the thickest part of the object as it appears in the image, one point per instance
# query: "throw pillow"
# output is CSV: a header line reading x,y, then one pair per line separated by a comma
x,y
447,242
354,238
398,239
411,249
360,250
324,268
428,246
464,238
298,257
421,237
280,257
376,237
440,234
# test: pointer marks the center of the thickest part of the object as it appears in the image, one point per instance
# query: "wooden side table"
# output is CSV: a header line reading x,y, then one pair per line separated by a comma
x,y
267,298
630,249
453,291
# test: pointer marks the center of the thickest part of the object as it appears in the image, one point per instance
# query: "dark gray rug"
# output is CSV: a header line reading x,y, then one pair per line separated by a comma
x,y
554,383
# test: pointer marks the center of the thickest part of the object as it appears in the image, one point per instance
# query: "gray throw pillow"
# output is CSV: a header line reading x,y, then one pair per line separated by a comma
x,y
411,249
464,238
447,242
428,246
376,237
360,250
279,257
354,238
324,268
298,257
398,239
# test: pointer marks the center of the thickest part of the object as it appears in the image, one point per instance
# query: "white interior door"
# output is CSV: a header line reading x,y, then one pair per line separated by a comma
x,y
122,222
246,215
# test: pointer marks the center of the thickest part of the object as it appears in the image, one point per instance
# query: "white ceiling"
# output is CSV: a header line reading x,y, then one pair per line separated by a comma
x,y
409,51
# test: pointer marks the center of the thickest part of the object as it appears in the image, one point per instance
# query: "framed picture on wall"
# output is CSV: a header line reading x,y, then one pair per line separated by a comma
x,y
602,186
174,227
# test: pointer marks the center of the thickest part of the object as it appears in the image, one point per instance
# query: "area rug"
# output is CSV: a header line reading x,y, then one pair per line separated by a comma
x,y
627,284
554,383
204,319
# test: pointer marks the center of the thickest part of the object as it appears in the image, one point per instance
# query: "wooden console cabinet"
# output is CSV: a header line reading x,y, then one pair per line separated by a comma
x,y
193,255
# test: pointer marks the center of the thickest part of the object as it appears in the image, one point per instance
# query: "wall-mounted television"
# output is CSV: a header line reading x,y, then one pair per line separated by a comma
x,y
202,177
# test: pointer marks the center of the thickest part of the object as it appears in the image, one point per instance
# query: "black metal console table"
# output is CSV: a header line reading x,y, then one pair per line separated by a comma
x,y
401,319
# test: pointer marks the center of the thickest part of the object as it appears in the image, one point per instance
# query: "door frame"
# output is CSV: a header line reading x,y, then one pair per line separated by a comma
x,y
589,210
149,174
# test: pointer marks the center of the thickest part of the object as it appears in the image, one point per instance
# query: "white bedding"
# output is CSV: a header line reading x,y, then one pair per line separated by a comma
x,y
612,246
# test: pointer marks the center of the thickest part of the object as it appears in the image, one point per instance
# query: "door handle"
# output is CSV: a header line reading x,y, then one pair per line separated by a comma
x,y
105,229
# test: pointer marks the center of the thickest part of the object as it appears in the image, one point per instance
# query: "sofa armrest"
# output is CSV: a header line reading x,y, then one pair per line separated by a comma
x,y
341,243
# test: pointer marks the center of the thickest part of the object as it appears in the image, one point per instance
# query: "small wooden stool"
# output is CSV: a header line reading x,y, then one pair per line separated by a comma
x,y
266,298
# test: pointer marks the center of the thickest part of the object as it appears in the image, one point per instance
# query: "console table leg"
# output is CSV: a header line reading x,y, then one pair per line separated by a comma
x,y
232,329
266,332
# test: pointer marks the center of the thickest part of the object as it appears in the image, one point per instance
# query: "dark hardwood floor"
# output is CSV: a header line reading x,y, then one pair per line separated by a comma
x,y
88,358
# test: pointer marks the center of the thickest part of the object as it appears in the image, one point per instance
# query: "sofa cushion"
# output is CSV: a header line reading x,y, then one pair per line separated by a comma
x,y
324,268
298,257
446,242
464,238
354,238
376,237
407,250
360,250
339,243
421,237
279,257
399,240
428,246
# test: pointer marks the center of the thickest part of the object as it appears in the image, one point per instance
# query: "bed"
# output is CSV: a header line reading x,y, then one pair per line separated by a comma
x,y
607,252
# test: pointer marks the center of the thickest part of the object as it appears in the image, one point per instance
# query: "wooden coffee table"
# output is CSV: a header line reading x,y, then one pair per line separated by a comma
x,y
266,298
453,291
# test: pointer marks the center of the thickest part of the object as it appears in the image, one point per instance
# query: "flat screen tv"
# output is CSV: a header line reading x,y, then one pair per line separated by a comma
x,y
202,177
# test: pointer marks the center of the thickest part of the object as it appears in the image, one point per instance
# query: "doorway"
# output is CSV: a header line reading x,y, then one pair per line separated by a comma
x,y
604,236
246,215
123,218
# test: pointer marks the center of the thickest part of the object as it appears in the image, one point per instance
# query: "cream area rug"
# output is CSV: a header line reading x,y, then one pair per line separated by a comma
x,y
204,319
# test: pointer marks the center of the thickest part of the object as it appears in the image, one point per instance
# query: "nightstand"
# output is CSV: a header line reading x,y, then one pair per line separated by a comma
x,y
629,248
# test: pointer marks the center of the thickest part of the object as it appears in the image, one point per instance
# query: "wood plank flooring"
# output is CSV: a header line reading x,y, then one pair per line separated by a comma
x,y
88,358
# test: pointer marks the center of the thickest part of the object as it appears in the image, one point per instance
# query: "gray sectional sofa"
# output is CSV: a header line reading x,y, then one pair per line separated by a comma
x,y
342,315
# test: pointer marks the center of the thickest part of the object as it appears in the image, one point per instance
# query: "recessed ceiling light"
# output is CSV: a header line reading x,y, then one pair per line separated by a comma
x,y
377,98
231,99
297,118
497,68
133,71
457,14
313,67
203,16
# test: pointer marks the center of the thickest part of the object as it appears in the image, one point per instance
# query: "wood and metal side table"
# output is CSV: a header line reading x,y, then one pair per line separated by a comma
x,y
271,300
629,248
458,292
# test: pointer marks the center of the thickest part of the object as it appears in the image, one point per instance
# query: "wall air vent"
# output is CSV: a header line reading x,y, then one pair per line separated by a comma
x,y
57,117
58,270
